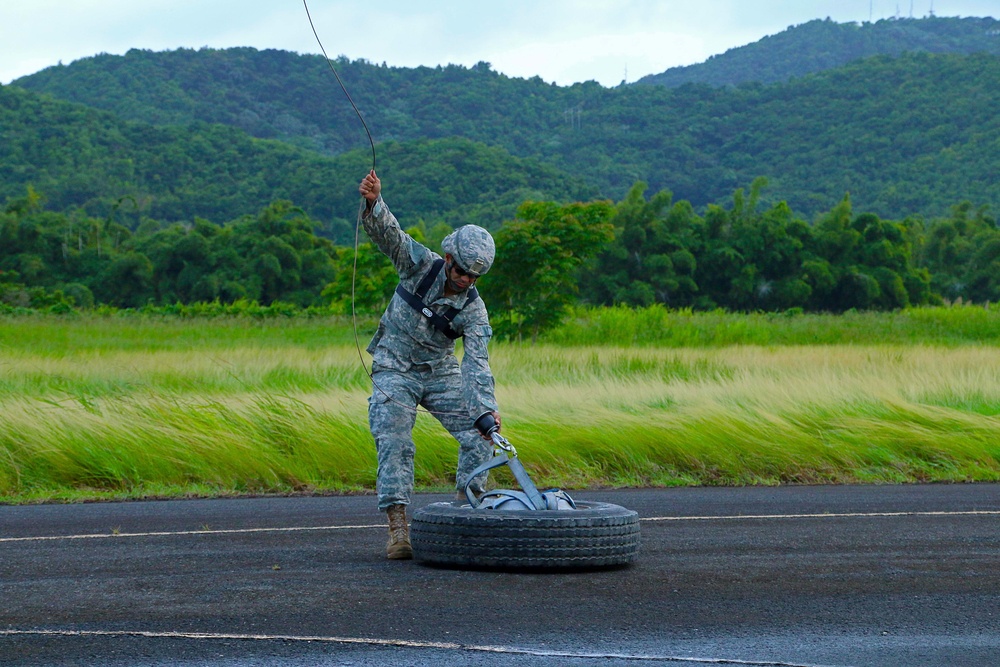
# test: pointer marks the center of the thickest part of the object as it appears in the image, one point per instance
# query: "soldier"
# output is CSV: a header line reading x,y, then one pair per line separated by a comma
x,y
413,355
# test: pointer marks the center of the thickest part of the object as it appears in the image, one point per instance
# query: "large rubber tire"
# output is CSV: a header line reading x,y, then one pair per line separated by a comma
x,y
593,535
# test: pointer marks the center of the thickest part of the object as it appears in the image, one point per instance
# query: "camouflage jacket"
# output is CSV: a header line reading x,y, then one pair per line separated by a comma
x,y
406,339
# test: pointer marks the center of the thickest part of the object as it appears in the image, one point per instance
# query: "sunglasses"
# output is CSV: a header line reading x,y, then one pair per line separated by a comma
x,y
462,272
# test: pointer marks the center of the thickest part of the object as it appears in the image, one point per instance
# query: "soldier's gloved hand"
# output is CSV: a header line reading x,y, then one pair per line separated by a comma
x,y
486,429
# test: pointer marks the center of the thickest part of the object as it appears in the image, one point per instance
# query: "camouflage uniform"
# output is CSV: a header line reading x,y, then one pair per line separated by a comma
x,y
413,363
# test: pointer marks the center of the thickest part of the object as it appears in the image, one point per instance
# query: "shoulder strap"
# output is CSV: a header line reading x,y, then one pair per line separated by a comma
x,y
440,321
425,284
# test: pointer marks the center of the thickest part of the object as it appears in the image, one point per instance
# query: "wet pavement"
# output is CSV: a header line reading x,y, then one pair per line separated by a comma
x,y
838,575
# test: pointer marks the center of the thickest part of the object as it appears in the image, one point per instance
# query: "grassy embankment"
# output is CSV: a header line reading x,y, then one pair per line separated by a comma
x,y
130,406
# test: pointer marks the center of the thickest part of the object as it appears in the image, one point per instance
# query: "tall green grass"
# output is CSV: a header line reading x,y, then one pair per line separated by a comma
x,y
128,407
660,327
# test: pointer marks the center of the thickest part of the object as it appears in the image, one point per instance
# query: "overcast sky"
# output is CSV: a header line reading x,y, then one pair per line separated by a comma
x,y
562,41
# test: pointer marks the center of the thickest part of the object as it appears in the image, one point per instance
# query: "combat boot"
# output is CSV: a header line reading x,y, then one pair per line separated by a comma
x,y
398,547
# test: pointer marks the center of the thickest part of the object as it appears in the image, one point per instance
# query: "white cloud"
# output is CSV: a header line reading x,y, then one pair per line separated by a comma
x,y
599,57
559,40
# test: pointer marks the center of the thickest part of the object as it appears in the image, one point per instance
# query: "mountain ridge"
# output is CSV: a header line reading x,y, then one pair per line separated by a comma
x,y
904,135
824,44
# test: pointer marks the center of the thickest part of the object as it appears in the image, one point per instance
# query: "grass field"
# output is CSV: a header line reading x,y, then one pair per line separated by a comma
x,y
131,406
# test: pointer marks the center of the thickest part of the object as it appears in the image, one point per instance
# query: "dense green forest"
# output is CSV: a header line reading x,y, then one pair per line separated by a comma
x,y
907,135
824,44
230,176
97,164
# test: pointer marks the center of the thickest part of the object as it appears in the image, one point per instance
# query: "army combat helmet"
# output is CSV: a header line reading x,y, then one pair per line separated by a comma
x,y
472,247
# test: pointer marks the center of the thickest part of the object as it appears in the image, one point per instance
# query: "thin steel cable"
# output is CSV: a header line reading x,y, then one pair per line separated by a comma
x,y
342,86
357,226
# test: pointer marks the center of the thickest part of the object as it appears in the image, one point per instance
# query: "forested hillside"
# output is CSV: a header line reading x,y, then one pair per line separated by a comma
x,y
224,175
912,135
824,44
283,95
81,158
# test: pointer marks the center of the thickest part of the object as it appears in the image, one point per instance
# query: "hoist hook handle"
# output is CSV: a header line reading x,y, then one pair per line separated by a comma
x,y
488,426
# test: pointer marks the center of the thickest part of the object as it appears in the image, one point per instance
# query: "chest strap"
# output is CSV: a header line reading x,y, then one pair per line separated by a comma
x,y
440,321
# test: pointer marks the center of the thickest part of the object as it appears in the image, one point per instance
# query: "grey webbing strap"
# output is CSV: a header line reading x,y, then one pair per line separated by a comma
x,y
520,474
494,462
497,497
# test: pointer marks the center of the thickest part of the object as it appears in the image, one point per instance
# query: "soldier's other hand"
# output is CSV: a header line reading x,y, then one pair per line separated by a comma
x,y
370,187
496,416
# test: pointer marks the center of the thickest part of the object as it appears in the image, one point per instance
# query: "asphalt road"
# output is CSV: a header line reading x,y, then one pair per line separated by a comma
x,y
887,575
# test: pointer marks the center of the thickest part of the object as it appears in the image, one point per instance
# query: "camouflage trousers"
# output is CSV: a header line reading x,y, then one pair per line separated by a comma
x,y
392,414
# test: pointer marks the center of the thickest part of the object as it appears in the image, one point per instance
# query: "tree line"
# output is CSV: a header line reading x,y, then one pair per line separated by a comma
x,y
743,256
